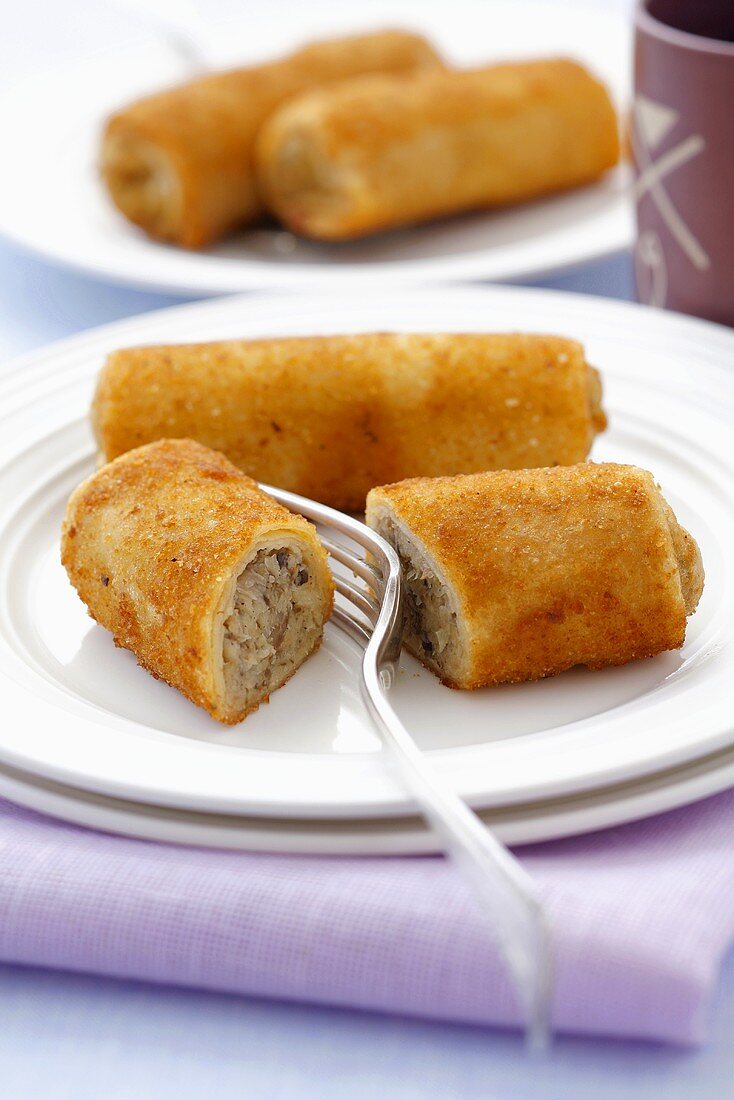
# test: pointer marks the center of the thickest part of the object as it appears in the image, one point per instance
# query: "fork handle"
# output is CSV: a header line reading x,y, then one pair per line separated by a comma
x,y
506,893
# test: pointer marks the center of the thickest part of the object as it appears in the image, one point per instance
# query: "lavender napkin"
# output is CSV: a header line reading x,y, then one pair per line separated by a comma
x,y
642,916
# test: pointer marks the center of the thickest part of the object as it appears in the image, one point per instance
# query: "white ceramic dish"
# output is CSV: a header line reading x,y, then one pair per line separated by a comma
x,y
526,823
52,203
81,713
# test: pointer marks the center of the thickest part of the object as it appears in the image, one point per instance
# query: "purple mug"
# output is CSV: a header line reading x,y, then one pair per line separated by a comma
x,y
682,135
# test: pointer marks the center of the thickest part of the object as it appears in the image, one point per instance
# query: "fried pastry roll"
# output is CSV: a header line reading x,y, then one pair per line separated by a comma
x,y
179,164
382,151
330,417
215,587
518,575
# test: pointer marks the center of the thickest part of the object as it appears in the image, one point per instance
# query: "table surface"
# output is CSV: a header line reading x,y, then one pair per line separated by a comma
x,y
65,1035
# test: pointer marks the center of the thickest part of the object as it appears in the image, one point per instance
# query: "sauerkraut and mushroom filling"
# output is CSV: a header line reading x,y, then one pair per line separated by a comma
x,y
275,616
431,630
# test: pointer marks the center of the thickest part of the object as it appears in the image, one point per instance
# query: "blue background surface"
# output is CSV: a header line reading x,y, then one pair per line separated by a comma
x,y
69,1036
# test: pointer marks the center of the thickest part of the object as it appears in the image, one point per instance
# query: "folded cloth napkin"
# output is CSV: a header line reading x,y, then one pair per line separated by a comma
x,y
642,915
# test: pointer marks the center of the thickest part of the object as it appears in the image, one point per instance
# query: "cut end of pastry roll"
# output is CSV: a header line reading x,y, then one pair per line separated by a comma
x,y
270,621
433,627
144,183
513,576
317,192
214,586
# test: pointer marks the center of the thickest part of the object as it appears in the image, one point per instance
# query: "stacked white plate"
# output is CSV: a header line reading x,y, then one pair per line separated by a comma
x,y
88,736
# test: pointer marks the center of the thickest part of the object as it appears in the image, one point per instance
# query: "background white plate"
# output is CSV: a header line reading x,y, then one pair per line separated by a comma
x,y
52,203
82,713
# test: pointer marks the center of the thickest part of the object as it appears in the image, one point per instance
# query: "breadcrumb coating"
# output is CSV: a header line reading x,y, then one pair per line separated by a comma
x,y
154,544
383,151
330,417
545,569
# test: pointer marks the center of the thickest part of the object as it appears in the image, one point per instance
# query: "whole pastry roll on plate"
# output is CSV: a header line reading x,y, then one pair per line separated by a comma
x,y
330,417
180,163
214,586
518,575
385,151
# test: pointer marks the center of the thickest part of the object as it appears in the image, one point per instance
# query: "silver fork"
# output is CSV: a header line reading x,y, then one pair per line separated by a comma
x,y
505,892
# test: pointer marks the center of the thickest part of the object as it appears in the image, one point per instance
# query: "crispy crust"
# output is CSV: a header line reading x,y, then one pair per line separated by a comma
x,y
179,163
552,568
383,151
330,417
152,541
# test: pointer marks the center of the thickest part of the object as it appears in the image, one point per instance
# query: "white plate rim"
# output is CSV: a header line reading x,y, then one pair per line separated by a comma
x,y
515,826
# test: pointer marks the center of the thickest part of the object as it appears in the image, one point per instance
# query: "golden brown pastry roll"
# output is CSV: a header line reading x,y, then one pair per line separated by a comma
x,y
518,575
214,586
330,417
385,151
180,163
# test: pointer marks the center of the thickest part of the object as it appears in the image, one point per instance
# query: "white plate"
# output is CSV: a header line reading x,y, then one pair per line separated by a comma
x,y
82,713
52,203
526,823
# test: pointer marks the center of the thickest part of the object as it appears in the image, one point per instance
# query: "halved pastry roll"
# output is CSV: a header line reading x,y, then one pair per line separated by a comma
x,y
180,163
330,417
384,151
214,586
518,575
